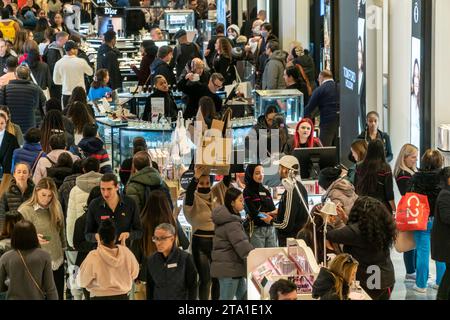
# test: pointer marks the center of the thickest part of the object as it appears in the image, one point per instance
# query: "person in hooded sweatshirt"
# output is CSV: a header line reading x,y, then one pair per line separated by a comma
x,y
230,247
260,209
338,189
334,283
201,199
92,146
109,271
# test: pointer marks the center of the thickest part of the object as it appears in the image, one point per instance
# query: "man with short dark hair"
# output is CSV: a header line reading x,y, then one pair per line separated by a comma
x,y
24,99
112,205
184,52
272,78
58,145
52,54
161,65
283,290
69,71
144,180
156,34
107,58
325,99
195,90
11,66
4,55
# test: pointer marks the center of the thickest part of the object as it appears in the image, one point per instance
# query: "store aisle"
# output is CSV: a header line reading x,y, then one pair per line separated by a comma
x,y
404,290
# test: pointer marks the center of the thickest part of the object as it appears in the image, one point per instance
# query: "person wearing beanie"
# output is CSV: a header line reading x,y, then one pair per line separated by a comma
x,y
338,189
233,33
292,211
184,52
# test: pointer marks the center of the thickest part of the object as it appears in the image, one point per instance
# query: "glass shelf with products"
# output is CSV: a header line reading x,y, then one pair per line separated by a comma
x,y
108,131
289,102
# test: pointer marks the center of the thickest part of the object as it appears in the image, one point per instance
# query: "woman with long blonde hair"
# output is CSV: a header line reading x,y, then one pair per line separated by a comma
x,y
405,169
334,283
44,211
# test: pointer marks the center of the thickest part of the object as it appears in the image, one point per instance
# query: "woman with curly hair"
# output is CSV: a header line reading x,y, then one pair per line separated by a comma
x,y
368,236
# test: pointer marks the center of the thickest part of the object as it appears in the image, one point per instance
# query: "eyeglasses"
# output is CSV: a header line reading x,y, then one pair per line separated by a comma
x,y
157,239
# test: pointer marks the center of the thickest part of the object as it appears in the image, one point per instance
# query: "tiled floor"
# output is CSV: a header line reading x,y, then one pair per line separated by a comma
x,y
403,290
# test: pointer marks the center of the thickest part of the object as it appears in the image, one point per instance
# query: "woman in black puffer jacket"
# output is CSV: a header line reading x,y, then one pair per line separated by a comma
x,y
20,190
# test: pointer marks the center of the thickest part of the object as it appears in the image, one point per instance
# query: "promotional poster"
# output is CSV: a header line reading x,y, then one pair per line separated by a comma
x,y
416,108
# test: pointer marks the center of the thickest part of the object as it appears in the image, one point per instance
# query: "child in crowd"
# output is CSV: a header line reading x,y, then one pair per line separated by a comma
x,y
99,88
92,146
61,170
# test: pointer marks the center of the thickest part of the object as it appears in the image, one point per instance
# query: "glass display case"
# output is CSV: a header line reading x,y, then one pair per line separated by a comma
x,y
179,19
155,138
289,102
108,130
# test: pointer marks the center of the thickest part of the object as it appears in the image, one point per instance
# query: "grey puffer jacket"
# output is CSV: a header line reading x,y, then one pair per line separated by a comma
x,y
273,72
230,245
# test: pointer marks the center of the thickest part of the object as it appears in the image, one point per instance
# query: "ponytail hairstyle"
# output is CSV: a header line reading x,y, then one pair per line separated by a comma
x,y
99,79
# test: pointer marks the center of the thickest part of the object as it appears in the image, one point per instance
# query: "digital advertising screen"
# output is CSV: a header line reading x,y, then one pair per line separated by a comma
x,y
416,107
362,63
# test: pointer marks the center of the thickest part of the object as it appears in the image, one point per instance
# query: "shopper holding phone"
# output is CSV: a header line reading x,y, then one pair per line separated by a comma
x,y
44,211
260,209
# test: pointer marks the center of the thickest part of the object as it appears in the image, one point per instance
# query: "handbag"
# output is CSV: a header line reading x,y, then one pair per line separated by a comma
x,y
31,276
413,211
405,242
46,91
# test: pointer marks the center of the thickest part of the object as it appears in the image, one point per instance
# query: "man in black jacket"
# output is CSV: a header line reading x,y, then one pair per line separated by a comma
x,y
171,272
184,52
107,58
24,99
52,54
195,90
112,205
292,213
161,66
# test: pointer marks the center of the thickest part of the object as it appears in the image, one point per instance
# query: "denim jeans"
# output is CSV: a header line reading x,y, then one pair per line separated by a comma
x,y
230,288
444,288
410,261
264,237
423,244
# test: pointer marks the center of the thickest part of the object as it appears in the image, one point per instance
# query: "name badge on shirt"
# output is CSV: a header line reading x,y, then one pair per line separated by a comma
x,y
171,266
263,194
104,218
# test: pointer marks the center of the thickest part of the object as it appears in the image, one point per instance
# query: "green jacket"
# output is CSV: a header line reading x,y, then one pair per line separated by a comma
x,y
140,180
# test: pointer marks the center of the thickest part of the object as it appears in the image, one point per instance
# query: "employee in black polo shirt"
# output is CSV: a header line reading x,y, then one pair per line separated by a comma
x,y
112,205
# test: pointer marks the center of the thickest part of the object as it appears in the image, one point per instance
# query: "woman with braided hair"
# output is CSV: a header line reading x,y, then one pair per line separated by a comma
x,y
368,236
53,124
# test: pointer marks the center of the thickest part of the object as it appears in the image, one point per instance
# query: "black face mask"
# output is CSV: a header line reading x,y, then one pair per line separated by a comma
x,y
204,190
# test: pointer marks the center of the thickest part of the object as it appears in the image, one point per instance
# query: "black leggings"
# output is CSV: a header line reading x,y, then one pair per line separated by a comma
x,y
201,251
444,288
59,276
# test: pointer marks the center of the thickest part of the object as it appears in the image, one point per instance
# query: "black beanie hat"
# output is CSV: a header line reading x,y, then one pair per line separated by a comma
x,y
327,176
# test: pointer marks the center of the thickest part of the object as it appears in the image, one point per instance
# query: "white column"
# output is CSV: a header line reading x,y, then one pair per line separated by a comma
x,y
399,68
374,56
294,22
440,66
